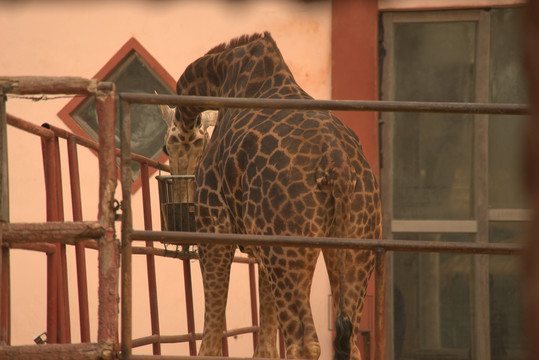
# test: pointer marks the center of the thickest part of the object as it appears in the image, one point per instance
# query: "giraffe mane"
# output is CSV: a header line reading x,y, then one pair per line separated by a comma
x,y
238,41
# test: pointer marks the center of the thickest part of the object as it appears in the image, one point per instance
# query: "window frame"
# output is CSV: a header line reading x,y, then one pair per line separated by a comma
x,y
479,226
129,51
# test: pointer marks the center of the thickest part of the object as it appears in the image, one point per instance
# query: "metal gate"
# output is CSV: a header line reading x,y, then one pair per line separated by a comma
x,y
52,237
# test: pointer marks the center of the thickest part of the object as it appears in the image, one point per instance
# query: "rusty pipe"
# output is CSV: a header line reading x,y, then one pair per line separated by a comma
x,y
210,102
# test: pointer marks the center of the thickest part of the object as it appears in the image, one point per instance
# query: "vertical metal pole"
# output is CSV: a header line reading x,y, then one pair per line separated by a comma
x,y
52,297
5,314
479,290
531,171
4,183
150,259
254,306
127,227
282,348
5,306
386,176
55,325
108,259
189,306
380,304
225,342
63,295
74,177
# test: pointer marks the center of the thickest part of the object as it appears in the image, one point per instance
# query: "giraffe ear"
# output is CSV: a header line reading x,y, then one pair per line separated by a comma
x,y
167,113
209,118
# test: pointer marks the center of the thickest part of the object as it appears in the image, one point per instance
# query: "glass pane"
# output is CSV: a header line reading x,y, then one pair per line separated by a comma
x,y
432,301
147,127
507,85
433,153
505,294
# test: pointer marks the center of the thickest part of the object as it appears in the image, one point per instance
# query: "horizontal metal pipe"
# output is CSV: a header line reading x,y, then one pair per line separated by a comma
x,y
90,144
41,247
240,331
179,237
51,232
172,357
29,127
89,351
91,244
26,85
143,250
343,105
163,339
49,131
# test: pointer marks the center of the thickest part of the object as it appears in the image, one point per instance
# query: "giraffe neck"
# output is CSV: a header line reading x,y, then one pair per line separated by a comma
x,y
196,80
253,70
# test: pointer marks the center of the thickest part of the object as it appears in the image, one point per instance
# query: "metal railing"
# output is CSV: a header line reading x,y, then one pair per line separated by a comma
x,y
52,237
380,247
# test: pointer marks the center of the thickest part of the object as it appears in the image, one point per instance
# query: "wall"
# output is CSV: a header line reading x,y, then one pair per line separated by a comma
x,y
77,38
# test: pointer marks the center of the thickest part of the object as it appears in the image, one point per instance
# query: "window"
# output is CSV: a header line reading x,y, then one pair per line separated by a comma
x,y
132,69
453,177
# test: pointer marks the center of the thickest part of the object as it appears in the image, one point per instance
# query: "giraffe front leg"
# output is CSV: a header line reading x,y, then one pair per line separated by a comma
x,y
267,339
215,262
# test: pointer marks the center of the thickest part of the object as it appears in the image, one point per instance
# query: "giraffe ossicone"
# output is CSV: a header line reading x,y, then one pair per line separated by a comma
x,y
276,172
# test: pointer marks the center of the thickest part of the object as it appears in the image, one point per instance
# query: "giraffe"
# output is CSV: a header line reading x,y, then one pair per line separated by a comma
x,y
184,145
279,172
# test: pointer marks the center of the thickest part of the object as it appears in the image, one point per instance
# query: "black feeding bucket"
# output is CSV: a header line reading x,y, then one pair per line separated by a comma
x,y
176,203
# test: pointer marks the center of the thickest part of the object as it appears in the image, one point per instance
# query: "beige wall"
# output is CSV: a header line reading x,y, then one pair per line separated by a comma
x,y
65,38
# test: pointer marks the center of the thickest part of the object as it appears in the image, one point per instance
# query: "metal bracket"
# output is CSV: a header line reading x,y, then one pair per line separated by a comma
x,y
117,210
41,338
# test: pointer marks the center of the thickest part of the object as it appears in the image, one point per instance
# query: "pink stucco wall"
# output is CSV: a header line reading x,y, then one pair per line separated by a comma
x,y
76,38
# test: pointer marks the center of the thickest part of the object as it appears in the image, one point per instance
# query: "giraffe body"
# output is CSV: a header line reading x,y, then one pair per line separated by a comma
x,y
278,172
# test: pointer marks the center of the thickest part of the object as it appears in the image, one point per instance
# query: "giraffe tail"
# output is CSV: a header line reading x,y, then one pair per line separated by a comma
x,y
341,189
343,333
343,325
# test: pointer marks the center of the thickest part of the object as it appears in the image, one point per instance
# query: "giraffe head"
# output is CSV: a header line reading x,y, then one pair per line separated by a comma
x,y
185,146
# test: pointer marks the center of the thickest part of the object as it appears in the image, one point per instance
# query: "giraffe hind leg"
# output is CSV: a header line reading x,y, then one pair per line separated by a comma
x,y
348,287
291,287
267,339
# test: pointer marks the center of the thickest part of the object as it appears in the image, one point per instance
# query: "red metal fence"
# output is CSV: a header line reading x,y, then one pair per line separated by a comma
x,y
53,236
83,235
